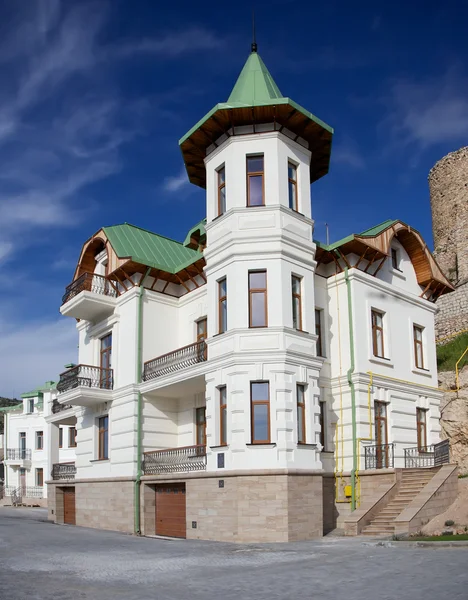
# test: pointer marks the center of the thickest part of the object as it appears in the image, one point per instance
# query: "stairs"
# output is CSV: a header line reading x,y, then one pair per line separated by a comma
x,y
412,482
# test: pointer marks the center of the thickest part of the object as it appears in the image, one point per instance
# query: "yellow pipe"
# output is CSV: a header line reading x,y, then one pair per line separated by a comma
x,y
452,335
366,439
456,370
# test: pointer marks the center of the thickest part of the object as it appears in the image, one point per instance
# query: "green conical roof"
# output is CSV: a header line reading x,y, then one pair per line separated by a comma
x,y
255,85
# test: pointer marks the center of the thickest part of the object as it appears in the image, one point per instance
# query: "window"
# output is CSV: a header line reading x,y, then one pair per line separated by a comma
x,y
377,334
31,406
300,396
255,180
260,412
22,444
106,362
201,329
418,346
40,477
421,429
222,416
221,173
39,440
222,306
323,424
72,437
60,437
395,259
201,426
292,186
381,455
296,284
103,438
318,332
258,299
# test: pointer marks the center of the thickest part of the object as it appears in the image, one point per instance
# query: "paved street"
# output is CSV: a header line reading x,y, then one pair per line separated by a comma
x,y
40,560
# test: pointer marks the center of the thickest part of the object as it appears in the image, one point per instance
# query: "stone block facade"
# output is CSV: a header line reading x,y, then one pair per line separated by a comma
x,y
452,313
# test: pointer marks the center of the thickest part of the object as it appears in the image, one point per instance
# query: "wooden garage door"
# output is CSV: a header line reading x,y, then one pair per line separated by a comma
x,y
69,506
170,510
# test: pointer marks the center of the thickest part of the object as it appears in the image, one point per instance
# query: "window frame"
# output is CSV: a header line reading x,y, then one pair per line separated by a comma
x,y
103,434
293,182
263,291
39,480
31,406
255,174
105,357
323,423
200,425
418,344
221,301
421,427
395,258
221,186
60,437
40,437
222,392
301,408
254,403
72,439
375,329
298,297
319,332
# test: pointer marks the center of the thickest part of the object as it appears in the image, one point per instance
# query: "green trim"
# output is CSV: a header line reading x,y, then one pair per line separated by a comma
x,y
351,386
198,227
47,387
10,408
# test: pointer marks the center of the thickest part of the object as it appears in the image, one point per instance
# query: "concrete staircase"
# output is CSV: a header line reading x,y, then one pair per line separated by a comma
x,y
412,482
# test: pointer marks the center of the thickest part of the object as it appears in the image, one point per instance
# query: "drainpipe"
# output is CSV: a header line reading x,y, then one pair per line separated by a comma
x,y
139,366
5,442
351,386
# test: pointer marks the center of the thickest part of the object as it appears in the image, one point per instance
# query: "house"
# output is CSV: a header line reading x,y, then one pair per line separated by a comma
x,y
27,445
249,384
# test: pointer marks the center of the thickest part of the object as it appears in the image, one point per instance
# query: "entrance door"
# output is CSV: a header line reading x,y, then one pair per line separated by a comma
x,y
170,510
22,481
380,411
69,514
106,362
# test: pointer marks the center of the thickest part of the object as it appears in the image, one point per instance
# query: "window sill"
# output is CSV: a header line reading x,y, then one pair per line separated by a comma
x,y
218,447
327,452
398,273
304,445
263,445
100,460
380,360
424,372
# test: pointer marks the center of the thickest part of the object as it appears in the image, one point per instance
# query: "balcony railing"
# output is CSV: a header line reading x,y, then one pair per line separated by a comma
x,y
63,471
427,456
175,460
175,361
86,376
18,454
89,282
57,407
380,456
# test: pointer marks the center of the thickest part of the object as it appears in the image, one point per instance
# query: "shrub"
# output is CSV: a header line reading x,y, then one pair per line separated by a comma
x,y
448,354
449,523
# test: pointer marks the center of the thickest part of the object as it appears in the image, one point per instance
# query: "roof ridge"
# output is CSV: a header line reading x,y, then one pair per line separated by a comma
x,y
147,231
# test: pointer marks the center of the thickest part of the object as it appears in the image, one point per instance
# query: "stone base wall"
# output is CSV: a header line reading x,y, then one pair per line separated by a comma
x,y
452,313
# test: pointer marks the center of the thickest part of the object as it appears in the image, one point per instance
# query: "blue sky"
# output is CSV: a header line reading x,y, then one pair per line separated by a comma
x,y
95,95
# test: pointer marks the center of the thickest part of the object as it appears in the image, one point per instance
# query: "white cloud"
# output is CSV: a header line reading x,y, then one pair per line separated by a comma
x,y
34,353
429,112
347,153
177,182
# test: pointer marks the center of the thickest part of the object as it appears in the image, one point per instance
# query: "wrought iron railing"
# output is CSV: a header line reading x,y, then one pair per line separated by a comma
x,y
89,282
427,456
175,361
86,376
380,456
175,460
18,454
57,407
63,471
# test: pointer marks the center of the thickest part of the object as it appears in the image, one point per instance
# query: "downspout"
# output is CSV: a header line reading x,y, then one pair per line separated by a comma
x,y
351,387
5,441
139,367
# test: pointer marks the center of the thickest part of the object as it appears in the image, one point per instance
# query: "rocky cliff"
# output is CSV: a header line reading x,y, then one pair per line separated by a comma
x,y
454,416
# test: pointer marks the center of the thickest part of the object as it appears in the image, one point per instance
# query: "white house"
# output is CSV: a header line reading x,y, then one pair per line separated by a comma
x,y
26,444
239,386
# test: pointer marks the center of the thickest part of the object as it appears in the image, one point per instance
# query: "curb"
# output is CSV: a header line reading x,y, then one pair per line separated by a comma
x,y
446,544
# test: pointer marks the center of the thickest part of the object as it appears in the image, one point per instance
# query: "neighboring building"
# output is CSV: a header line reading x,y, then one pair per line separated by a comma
x,y
230,386
26,444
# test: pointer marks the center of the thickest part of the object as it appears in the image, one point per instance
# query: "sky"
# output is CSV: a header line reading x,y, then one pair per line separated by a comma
x,y
94,96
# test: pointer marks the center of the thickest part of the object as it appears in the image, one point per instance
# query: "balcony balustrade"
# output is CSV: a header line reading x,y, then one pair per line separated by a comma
x,y
175,360
57,407
86,376
427,456
380,456
89,282
18,454
63,471
175,460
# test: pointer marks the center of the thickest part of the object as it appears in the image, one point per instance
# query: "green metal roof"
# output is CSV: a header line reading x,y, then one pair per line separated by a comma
x,y
8,408
198,227
48,385
371,232
150,249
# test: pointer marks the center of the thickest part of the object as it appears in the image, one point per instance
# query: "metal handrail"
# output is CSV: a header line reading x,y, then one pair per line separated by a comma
x,y
63,471
89,282
18,454
175,460
86,376
379,456
434,455
174,361
57,407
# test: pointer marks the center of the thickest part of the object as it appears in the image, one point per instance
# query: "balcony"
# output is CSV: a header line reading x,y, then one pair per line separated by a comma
x,y
175,361
427,456
380,456
58,408
90,297
175,460
85,385
63,471
20,457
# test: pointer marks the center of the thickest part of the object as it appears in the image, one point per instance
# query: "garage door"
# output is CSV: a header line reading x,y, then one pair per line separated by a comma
x,y
170,510
69,506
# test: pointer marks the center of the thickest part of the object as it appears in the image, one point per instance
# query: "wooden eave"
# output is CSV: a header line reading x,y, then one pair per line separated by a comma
x,y
219,123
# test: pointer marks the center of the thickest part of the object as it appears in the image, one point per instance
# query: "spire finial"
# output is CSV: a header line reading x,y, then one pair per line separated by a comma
x,y
254,42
